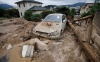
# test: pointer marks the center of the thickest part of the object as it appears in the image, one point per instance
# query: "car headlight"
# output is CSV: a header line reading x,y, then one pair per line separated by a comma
x,y
34,30
54,33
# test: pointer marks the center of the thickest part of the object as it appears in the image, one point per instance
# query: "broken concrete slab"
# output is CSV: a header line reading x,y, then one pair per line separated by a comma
x,y
40,45
9,47
27,51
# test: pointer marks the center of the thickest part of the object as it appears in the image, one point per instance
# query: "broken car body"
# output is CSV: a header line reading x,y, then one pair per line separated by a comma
x,y
52,26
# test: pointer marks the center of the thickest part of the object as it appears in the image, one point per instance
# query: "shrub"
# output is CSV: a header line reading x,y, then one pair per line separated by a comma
x,y
63,10
85,14
45,13
72,13
36,17
28,15
7,15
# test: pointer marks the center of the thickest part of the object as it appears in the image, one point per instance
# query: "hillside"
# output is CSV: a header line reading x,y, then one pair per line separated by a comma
x,y
4,5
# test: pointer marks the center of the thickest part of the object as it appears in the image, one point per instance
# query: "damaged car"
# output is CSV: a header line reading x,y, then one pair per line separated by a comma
x,y
52,26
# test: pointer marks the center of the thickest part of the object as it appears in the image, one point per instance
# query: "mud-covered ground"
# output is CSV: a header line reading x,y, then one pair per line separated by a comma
x,y
16,31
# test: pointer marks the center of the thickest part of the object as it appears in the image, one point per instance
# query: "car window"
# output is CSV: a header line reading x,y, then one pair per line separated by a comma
x,y
53,18
63,17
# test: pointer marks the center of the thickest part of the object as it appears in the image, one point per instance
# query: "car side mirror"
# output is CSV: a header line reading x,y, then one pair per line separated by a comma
x,y
42,19
64,21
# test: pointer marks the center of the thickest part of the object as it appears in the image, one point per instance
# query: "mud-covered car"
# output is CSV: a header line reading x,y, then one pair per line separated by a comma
x,y
52,26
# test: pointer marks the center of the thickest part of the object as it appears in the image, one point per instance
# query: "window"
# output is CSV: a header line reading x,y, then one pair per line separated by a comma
x,y
24,4
21,13
19,5
30,4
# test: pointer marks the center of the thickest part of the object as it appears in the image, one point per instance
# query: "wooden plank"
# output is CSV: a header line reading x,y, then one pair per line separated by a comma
x,y
83,18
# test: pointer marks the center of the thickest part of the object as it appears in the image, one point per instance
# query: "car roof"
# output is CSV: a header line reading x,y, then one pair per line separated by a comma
x,y
56,14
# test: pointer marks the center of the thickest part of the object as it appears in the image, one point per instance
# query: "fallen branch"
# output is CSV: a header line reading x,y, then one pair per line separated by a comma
x,y
83,18
85,44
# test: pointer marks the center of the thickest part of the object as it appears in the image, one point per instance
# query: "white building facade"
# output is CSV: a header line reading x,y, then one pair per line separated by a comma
x,y
25,5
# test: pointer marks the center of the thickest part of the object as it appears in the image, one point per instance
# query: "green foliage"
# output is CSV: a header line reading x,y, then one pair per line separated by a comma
x,y
63,10
12,12
85,14
72,13
9,13
2,12
45,13
28,15
36,17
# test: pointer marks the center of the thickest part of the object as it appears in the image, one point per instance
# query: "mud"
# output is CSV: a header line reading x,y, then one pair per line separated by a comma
x,y
16,31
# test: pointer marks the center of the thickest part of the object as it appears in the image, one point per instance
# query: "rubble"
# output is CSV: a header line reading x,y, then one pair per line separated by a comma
x,y
9,47
27,51
19,34
40,45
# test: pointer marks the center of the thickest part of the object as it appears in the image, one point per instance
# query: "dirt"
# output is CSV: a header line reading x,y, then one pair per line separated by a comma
x,y
16,31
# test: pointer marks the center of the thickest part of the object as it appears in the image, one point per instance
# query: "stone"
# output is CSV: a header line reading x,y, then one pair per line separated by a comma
x,y
27,51
9,47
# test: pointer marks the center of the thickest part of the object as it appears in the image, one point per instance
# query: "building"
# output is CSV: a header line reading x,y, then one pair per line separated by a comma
x,y
24,5
86,8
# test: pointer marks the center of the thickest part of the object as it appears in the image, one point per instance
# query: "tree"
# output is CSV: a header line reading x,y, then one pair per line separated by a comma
x,y
28,15
2,12
12,12
72,13
63,10
45,13
36,17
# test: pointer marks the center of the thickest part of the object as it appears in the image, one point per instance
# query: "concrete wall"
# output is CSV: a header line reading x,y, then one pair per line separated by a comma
x,y
86,9
28,5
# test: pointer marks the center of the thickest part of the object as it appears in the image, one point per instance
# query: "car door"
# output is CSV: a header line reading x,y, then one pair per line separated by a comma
x,y
63,22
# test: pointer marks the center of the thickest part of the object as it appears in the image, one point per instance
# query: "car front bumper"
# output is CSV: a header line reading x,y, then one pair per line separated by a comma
x,y
46,35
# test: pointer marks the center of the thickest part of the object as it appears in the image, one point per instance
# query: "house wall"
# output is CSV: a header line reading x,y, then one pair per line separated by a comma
x,y
37,12
86,9
82,11
28,5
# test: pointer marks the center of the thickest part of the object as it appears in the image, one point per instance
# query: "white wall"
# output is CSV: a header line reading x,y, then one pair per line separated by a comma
x,y
22,9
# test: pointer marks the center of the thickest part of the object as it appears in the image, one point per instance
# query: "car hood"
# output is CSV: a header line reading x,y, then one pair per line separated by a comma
x,y
47,27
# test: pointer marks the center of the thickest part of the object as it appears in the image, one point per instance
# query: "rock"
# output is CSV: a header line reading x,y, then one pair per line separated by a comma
x,y
27,51
32,42
9,47
46,41
15,35
40,45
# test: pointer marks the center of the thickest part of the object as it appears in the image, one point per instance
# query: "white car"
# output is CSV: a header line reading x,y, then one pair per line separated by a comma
x,y
52,26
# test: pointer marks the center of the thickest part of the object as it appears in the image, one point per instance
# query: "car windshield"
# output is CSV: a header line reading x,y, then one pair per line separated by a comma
x,y
53,18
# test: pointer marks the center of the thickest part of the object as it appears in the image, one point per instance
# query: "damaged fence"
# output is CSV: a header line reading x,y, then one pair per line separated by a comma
x,y
91,42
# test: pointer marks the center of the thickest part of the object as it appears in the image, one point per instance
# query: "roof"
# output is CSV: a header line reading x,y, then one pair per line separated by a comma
x,y
88,4
37,8
56,14
28,1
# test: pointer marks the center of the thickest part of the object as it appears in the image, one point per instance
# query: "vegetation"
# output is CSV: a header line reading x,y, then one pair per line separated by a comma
x,y
45,13
63,10
93,10
36,17
28,15
2,12
72,13
9,13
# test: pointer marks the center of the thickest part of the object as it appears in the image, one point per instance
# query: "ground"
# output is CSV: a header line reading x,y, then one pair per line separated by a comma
x,y
17,31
